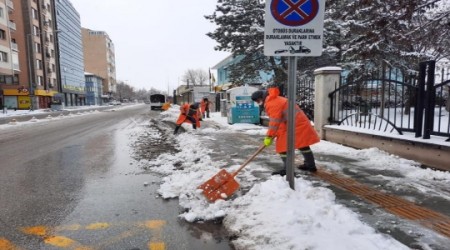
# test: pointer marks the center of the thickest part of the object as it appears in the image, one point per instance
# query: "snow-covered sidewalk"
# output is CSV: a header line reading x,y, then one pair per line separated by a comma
x,y
271,215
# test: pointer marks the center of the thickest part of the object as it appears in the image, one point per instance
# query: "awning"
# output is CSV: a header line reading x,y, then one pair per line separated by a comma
x,y
223,87
15,92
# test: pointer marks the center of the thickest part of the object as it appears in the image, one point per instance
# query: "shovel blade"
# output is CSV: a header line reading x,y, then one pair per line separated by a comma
x,y
220,186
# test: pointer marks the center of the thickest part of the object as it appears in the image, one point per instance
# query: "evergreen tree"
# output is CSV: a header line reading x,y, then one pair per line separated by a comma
x,y
399,32
357,33
240,30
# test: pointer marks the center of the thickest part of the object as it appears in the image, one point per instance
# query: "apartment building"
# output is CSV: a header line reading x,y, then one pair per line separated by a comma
x,y
99,58
11,95
70,54
40,34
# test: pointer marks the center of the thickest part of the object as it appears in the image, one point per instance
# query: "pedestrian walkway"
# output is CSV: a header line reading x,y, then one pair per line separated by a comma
x,y
385,197
391,203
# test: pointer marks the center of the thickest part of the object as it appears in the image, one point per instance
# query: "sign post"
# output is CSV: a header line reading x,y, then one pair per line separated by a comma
x,y
293,28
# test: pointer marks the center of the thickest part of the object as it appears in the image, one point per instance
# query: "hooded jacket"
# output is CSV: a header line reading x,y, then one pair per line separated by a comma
x,y
277,109
188,110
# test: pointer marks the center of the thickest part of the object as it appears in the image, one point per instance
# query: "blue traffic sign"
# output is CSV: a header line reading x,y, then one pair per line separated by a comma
x,y
294,12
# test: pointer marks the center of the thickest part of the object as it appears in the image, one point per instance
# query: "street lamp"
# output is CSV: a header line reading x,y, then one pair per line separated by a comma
x,y
30,47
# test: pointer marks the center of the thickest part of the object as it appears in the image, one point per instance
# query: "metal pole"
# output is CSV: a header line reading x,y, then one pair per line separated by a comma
x,y
30,76
292,68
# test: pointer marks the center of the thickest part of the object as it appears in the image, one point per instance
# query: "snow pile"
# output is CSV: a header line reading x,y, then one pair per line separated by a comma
x,y
272,216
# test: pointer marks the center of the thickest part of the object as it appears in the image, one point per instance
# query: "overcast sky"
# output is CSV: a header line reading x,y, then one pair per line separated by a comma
x,y
155,41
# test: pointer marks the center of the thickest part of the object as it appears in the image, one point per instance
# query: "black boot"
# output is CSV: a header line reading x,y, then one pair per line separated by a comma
x,y
176,130
283,171
309,163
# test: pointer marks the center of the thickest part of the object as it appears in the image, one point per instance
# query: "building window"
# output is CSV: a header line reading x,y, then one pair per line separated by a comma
x,y
34,14
39,80
37,47
2,15
53,53
38,64
35,30
2,34
3,56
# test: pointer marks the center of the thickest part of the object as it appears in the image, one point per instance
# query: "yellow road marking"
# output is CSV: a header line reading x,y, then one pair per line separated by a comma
x,y
37,230
155,224
59,241
7,245
74,227
97,226
156,246
64,242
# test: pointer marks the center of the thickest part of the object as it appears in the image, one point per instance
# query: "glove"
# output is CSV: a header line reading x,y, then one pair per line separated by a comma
x,y
268,141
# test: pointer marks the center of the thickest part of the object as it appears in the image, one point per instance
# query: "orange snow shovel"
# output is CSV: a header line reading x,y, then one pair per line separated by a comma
x,y
223,185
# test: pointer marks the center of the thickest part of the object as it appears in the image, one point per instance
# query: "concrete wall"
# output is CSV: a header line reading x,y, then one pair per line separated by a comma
x,y
428,154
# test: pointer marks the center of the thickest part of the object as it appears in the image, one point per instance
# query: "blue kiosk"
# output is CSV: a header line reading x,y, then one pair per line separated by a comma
x,y
240,107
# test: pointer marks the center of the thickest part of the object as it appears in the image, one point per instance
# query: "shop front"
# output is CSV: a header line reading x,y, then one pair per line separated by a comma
x,y
16,98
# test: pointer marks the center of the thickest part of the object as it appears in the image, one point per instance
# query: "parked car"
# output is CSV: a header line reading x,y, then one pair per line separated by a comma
x,y
114,103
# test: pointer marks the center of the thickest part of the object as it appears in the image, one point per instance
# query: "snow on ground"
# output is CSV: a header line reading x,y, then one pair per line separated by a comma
x,y
271,215
76,111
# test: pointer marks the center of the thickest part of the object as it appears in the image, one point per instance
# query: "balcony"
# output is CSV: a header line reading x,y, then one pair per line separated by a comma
x,y
14,46
12,25
10,4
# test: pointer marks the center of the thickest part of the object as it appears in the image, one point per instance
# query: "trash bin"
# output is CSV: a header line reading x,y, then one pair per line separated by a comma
x,y
364,108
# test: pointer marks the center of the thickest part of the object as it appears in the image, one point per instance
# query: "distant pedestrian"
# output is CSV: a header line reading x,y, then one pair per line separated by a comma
x,y
276,107
188,113
204,106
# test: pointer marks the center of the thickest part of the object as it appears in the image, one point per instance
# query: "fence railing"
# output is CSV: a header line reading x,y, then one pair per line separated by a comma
x,y
389,101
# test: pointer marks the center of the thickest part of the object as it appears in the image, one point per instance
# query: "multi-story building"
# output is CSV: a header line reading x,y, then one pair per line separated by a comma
x,y
94,89
40,33
99,58
12,95
70,53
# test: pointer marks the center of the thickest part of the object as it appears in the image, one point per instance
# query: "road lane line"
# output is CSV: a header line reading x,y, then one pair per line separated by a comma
x,y
156,246
7,245
156,242
97,226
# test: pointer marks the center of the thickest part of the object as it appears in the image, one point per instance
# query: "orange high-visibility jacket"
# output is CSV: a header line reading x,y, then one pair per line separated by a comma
x,y
204,106
276,108
166,106
185,110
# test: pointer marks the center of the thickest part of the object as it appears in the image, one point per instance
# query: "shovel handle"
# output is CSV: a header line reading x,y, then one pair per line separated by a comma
x,y
261,148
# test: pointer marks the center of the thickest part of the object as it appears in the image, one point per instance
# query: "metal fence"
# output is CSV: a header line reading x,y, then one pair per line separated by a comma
x,y
305,96
389,100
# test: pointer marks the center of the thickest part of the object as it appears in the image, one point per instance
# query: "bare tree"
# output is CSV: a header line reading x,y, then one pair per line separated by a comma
x,y
190,77
195,77
202,76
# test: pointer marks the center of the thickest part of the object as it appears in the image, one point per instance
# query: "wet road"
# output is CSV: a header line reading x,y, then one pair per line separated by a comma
x,y
72,183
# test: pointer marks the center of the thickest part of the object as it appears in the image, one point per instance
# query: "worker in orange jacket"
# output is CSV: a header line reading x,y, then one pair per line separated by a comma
x,y
190,114
276,108
204,106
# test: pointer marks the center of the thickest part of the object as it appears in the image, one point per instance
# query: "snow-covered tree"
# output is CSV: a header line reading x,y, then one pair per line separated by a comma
x,y
357,34
400,32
